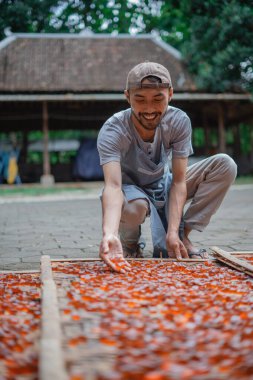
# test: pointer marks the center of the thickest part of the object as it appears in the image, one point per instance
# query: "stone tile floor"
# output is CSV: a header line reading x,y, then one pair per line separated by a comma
x,y
67,226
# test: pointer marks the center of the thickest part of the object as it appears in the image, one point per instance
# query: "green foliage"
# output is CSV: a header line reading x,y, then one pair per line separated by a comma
x,y
30,16
173,22
215,36
105,16
38,190
73,16
58,157
220,50
244,180
198,137
36,157
55,157
246,138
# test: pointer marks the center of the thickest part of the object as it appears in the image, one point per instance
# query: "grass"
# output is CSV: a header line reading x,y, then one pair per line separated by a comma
x,y
244,180
37,190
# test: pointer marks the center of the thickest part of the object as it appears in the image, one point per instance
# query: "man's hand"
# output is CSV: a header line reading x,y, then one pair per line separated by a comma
x,y
111,252
175,246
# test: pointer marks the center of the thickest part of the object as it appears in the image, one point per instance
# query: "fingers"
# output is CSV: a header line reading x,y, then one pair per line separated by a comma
x,y
177,252
107,245
118,264
175,247
126,266
126,263
112,264
111,253
183,250
174,250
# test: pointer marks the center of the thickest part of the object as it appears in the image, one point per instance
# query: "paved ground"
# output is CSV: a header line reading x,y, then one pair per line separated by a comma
x,y
69,225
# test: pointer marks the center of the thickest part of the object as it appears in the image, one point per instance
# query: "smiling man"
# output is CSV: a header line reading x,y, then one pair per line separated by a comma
x,y
134,146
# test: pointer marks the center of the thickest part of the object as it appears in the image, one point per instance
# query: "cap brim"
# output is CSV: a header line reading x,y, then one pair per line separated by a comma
x,y
148,85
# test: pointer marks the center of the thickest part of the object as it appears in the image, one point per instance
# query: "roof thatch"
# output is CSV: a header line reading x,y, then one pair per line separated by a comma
x,y
60,63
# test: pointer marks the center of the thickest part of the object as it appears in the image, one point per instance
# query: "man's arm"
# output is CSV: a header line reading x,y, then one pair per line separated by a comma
x,y
178,193
112,201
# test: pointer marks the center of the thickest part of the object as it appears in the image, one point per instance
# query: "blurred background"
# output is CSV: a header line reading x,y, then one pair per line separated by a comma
x,y
63,66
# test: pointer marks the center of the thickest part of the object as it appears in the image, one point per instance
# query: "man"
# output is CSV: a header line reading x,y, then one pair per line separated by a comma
x,y
134,146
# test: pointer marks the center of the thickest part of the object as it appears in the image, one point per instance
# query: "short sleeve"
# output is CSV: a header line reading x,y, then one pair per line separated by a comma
x,y
181,144
111,142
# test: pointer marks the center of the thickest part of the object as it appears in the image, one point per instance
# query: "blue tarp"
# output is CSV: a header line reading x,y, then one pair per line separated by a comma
x,y
86,165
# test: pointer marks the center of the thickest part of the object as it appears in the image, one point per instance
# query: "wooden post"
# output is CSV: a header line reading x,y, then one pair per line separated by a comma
x,y
207,147
46,160
237,141
25,146
221,130
47,179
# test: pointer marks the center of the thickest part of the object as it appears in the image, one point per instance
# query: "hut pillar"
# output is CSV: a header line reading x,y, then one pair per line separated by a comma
x,y
207,147
221,130
47,179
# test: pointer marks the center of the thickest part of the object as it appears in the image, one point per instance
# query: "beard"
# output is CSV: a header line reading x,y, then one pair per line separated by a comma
x,y
148,121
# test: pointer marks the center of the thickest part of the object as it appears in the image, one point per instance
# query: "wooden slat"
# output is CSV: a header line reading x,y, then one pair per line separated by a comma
x,y
234,266
244,256
233,261
248,253
51,362
134,259
75,259
20,271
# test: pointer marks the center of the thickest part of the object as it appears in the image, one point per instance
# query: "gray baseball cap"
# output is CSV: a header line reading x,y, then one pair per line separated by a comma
x,y
145,69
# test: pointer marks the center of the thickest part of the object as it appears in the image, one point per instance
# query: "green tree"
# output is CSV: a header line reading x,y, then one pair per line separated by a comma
x,y
172,22
30,16
73,16
105,16
215,37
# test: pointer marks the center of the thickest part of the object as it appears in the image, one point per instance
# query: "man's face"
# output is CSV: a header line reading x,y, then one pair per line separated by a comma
x,y
149,104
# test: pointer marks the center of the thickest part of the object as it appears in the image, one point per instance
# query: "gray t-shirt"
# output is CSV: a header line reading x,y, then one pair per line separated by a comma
x,y
119,141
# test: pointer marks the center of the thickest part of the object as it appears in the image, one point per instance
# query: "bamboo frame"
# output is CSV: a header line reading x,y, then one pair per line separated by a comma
x,y
136,259
233,261
51,360
239,253
31,271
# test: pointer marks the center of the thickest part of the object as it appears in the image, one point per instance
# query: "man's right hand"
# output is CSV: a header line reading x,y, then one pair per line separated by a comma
x,y
176,247
110,251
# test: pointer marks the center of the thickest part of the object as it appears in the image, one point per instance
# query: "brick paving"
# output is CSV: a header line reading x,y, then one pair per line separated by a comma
x,y
70,226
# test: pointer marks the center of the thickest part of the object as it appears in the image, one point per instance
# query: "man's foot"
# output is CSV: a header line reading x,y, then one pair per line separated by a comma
x,y
134,250
193,252
199,254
